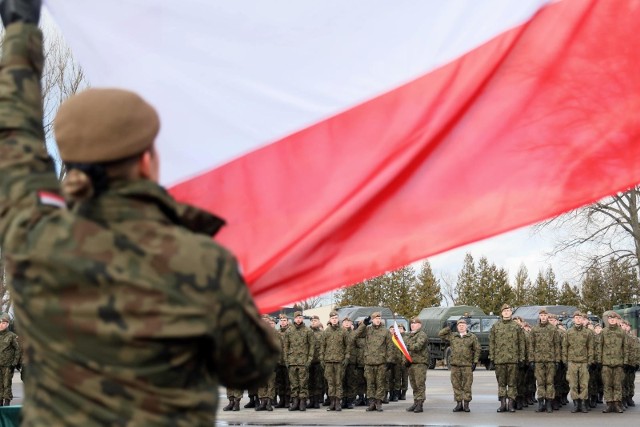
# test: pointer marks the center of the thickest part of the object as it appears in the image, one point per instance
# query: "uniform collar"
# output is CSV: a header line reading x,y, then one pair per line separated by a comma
x,y
146,200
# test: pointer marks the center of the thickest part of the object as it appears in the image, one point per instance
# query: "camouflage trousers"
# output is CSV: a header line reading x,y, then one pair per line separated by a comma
x,y
234,393
268,389
418,380
282,381
393,378
376,376
545,376
628,384
334,372
351,381
578,377
316,379
299,381
461,381
612,382
507,376
404,377
6,380
360,381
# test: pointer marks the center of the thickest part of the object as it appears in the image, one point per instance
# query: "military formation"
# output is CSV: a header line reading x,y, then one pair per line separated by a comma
x,y
542,366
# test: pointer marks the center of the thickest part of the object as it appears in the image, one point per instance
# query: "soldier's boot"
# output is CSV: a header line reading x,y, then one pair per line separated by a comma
x,y
262,405
379,405
576,406
412,407
396,394
608,408
327,401
624,403
592,400
403,395
269,405
512,405
458,407
332,404
339,404
518,404
294,404
253,401
630,401
600,397
419,407
359,401
303,404
372,405
236,404
465,406
617,407
555,403
280,402
549,405
503,405
585,406
386,398
540,407
229,405
349,404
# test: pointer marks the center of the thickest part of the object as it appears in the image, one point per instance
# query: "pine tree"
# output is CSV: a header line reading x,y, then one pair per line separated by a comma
x,y
467,286
399,289
570,295
427,292
595,298
522,287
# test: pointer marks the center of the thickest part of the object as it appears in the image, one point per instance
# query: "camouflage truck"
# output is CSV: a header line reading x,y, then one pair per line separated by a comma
x,y
530,313
436,318
357,313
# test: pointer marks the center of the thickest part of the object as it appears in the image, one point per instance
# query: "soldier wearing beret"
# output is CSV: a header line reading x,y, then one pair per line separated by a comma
x,y
578,354
417,343
335,349
316,373
299,347
545,355
116,283
613,356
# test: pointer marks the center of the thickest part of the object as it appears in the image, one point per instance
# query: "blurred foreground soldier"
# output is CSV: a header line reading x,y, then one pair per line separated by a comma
x,y
613,356
417,343
545,355
9,359
299,345
465,352
335,349
377,358
507,351
131,314
577,354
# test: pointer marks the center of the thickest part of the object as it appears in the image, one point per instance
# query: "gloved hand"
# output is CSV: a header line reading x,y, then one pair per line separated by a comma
x,y
367,321
27,11
473,366
389,366
532,366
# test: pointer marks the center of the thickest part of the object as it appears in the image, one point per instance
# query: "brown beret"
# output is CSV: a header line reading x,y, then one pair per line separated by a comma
x,y
416,320
543,311
333,313
315,317
346,319
461,321
578,313
375,314
283,316
614,315
505,306
4,317
103,125
553,316
297,313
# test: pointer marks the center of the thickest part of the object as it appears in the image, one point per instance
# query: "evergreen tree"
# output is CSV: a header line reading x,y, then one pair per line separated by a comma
x,y
570,295
467,286
545,289
595,298
522,287
427,292
398,291
621,282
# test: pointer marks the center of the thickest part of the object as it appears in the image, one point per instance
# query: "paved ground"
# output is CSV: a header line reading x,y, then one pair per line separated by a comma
x,y
438,408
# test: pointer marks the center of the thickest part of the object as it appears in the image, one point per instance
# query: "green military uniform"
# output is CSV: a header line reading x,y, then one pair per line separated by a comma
x,y
507,351
613,356
283,388
578,354
545,353
9,359
335,349
377,353
316,372
267,391
360,382
394,381
299,346
353,378
417,343
465,353
131,314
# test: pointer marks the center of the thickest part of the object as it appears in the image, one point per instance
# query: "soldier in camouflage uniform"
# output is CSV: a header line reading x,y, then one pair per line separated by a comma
x,y
335,349
545,355
393,374
633,348
507,351
299,346
282,373
465,352
359,344
267,391
613,357
578,354
521,384
316,373
9,359
377,354
131,314
351,380
417,344
404,371
234,395
530,377
560,383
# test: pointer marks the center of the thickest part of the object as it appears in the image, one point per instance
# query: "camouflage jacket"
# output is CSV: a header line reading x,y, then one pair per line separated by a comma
x,y
299,345
633,348
578,345
281,333
377,347
506,342
545,344
418,345
335,344
613,350
317,338
9,349
359,344
130,313
465,350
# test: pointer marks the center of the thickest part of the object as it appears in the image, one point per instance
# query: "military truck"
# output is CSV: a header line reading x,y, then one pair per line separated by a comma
x,y
357,313
435,318
630,312
530,313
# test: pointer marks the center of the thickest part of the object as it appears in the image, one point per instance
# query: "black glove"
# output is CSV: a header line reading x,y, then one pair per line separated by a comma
x,y
389,366
532,366
367,321
27,11
473,366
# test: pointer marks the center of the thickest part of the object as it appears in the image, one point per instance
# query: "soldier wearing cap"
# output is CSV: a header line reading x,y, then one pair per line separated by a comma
x,y
126,256
335,349
353,378
507,351
299,346
316,373
465,352
417,343
283,388
9,359
578,354
545,355
267,391
613,356
377,354
628,383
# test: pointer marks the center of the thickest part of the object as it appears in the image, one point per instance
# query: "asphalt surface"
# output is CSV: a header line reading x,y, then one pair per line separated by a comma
x,y
437,411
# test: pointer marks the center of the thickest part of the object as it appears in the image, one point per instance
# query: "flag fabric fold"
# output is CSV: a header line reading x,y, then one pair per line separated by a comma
x,y
396,337
346,140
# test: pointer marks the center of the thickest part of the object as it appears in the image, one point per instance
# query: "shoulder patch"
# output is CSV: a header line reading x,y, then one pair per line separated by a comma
x,y
51,199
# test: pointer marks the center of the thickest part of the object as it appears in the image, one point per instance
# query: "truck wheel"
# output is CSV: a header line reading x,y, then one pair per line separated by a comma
x,y
432,363
447,358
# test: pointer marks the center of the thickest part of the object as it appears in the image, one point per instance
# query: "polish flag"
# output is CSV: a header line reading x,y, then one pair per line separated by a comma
x,y
342,139
396,337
